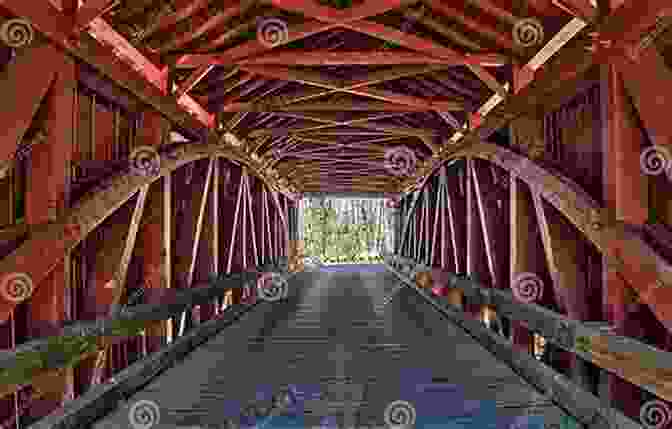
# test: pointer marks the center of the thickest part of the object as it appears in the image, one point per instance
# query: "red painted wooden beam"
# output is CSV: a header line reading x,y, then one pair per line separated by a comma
x,y
69,7
286,73
106,34
57,27
501,38
202,27
331,58
329,14
578,8
185,10
333,16
253,47
26,83
649,83
91,10
193,80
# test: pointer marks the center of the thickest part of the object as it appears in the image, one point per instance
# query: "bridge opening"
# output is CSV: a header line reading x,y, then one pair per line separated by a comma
x,y
341,230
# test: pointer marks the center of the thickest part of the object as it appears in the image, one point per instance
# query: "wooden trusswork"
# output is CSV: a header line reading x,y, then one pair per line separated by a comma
x,y
151,146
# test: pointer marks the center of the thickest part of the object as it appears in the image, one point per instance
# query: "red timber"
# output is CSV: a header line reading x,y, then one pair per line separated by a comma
x,y
625,189
46,200
27,82
59,28
330,58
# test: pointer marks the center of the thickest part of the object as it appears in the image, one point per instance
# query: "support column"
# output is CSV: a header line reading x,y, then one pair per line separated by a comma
x,y
153,129
523,254
152,267
625,190
523,251
47,198
476,258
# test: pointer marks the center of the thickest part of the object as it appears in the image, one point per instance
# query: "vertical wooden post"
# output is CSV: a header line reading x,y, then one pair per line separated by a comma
x,y
167,224
455,211
215,223
476,260
152,243
46,199
523,251
624,189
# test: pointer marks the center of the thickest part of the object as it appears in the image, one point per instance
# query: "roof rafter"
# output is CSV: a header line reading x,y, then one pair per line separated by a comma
x,y
315,79
325,57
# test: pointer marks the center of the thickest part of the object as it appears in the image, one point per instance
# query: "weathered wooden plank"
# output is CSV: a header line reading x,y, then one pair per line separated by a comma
x,y
122,271
582,405
19,365
104,398
636,362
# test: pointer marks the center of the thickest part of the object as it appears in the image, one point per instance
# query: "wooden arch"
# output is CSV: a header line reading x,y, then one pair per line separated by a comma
x,y
40,254
625,250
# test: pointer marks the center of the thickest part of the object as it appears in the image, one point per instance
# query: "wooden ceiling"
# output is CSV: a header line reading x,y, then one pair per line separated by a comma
x,y
324,90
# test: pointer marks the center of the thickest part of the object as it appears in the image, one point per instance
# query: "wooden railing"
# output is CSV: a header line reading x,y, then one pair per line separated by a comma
x,y
57,352
636,362
82,338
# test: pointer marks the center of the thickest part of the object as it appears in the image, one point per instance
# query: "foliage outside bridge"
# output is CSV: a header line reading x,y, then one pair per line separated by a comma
x,y
340,230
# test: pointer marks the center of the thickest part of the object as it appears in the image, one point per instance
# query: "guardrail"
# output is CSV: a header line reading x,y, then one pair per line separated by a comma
x,y
620,355
78,340
103,398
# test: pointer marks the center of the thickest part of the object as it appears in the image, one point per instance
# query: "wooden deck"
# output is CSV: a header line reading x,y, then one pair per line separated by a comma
x,y
336,336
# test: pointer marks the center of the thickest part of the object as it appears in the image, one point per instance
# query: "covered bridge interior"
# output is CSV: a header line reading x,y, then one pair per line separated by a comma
x,y
153,165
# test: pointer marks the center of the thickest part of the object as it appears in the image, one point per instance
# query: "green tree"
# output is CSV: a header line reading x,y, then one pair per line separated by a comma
x,y
345,230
